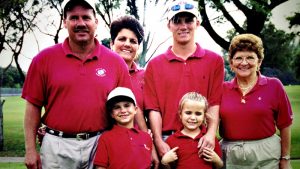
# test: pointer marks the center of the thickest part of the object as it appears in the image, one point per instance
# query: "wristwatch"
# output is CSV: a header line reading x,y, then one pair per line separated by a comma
x,y
286,157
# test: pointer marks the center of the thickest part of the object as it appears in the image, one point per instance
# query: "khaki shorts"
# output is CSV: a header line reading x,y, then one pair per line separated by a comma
x,y
264,153
57,152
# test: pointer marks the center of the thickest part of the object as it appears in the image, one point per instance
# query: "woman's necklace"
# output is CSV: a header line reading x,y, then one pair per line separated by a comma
x,y
246,89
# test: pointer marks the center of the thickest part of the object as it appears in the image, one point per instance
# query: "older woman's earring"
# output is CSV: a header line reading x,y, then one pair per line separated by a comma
x,y
258,68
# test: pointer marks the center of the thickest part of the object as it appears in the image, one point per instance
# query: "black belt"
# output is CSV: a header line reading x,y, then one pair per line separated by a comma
x,y
79,136
168,132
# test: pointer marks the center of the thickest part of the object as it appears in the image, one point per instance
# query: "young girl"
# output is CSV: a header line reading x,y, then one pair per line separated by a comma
x,y
183,143
123,146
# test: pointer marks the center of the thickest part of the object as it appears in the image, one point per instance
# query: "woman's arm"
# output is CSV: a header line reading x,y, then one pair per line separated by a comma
x,y
285,135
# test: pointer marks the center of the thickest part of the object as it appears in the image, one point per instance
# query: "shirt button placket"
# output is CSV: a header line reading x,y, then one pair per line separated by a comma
x,y
82,69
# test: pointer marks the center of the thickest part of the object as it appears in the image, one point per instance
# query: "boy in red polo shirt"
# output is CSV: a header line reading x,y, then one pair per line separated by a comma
x,y
123,146
183,144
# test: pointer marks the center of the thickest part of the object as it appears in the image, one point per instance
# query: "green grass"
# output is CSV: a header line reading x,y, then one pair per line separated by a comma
x,y
14,108
12,166
294,96
13,115
295,164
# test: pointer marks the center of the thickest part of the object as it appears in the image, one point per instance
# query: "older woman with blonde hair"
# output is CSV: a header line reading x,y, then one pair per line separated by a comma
x,y
253,107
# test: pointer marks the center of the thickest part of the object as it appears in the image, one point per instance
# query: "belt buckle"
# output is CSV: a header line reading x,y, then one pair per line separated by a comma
x,y
82,136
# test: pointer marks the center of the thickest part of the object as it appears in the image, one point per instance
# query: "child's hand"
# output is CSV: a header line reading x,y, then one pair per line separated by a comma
x,y
170,156
209,155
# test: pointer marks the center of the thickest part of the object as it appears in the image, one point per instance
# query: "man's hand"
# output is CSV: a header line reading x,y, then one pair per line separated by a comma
x,y
33,160
161,146
207,141
155,160
40,134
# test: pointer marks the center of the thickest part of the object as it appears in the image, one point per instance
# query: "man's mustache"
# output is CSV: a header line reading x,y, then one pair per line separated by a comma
x,y
81,29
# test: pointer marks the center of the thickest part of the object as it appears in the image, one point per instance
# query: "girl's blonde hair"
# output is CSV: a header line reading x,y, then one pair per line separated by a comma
x,y
194,96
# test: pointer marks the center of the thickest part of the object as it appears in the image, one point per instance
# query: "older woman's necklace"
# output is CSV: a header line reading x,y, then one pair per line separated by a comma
x,y
246,89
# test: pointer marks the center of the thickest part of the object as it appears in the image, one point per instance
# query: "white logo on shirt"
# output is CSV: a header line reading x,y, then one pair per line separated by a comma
x,y
100,72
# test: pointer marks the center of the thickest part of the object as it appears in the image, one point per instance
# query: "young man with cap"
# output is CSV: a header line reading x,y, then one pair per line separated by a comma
x,y
123,146
184,67
71,80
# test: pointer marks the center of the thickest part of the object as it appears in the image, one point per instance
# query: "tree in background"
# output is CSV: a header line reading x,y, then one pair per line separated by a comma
x,y
281,49
11,78
107,10
149,35
295,23
257,13
55,24
17,17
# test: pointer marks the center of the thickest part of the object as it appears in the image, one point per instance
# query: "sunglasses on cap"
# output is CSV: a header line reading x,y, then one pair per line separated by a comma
x,y
178,7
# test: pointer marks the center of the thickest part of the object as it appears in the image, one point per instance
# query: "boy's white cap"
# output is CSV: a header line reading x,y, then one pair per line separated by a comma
x,y
179,6
67,3
120,92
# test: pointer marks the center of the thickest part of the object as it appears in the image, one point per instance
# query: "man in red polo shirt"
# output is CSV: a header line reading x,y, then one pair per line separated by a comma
x,y
71,80
183,68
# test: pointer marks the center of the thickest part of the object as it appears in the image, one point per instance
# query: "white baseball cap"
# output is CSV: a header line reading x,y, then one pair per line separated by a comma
x,y
120,94
179,6
69,3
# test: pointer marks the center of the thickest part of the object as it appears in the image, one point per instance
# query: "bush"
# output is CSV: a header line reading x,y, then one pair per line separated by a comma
x,y
287,78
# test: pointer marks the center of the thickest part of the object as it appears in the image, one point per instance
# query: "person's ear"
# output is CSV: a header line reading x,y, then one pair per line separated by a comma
x,y
112,115
136,108
111,44
168,25
65,23
197,22
179,114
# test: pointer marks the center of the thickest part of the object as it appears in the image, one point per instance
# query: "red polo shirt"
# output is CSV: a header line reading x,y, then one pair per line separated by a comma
x,y
188,152
124,148
137,80
168,78
267,106
74,91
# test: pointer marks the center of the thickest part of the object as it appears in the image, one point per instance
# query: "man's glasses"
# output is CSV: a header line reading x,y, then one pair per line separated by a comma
x,y
186,6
